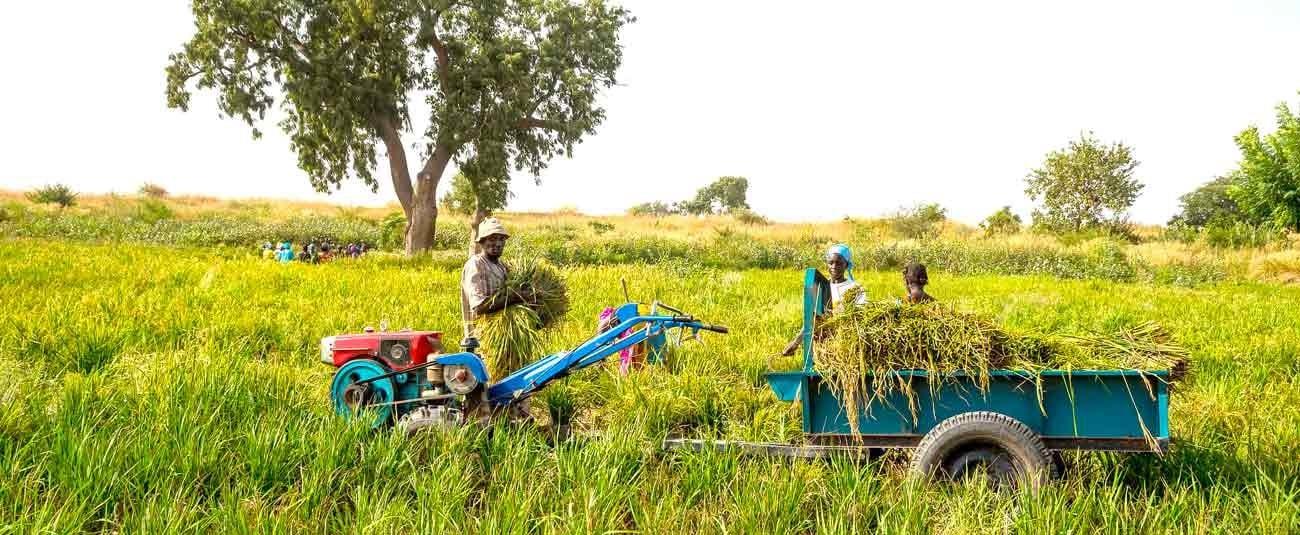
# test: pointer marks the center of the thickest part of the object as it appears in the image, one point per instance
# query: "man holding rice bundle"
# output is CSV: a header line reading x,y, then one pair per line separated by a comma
x,y
484,275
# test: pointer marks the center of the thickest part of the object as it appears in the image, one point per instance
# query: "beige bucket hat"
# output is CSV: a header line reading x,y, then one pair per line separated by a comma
x,y
491,226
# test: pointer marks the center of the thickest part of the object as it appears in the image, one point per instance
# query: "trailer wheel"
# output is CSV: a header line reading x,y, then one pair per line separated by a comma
x,y
983,442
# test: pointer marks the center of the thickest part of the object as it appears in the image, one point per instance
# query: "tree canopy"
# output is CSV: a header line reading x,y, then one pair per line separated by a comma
x,y
504,83
1208,202
1086,185
1001,222
1266,184
724,195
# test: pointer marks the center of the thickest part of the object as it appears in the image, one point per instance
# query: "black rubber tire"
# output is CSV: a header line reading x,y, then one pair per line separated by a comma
x,y
1007,449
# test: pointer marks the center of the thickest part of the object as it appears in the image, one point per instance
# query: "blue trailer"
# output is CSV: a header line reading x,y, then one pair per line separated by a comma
x,y
1011,430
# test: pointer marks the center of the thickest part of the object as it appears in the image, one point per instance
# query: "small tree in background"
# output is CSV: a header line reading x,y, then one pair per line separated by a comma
x,y
724,195
1002,222
462,198
149,189
59,194
1087,185
918,222
1209,202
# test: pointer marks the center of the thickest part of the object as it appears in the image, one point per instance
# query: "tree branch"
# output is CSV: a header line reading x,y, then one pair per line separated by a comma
x,y
439,48
533,122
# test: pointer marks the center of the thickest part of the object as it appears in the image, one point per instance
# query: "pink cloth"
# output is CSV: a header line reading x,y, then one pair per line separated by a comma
x,y
607,321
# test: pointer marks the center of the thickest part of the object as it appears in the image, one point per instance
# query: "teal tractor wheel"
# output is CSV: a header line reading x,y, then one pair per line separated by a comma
x,y
373,399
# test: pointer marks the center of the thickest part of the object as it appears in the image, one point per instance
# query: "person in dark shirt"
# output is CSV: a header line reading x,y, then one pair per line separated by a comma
x,y
914,279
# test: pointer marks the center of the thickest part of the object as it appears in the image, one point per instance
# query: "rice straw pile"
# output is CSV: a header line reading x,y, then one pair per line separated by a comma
x,y
872,340
536,298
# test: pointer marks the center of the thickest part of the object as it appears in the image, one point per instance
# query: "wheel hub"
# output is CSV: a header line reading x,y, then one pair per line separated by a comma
x,y
357,396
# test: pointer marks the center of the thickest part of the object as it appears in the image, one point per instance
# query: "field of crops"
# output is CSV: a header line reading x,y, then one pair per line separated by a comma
x,y
154,389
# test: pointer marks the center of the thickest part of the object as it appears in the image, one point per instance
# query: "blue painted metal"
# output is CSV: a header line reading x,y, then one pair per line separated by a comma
x,y
383,390
1076,404
469,360
538,374
816,296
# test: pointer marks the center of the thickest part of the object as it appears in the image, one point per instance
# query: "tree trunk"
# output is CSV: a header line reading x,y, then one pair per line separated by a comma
x,y
479,215
423,217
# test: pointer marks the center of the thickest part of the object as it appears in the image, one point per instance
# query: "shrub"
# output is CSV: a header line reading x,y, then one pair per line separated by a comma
x,y
1226,233
919,222
749,217
655,208
600,227
59,194
11,211
392,231
152,210
1239,234
1002,222
149,189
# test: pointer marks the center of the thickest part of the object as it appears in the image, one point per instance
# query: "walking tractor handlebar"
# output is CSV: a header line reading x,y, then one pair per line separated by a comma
x,y
401,376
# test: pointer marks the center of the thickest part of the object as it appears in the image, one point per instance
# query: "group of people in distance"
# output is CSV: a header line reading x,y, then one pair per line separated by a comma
x,y
314,251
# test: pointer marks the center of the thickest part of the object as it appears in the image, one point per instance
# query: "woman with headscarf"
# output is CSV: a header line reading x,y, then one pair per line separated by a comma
x,y
839,266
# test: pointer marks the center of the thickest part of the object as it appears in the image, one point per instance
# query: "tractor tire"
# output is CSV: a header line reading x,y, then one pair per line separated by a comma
x,y
1006,450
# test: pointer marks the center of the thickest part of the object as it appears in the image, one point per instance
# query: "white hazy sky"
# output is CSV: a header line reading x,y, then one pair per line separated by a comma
x,y
829,108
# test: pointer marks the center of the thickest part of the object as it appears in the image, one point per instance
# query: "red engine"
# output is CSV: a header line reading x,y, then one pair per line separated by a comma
x,y
398,350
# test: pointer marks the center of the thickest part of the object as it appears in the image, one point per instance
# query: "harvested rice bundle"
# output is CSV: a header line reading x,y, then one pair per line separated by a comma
x,y
873,340
1145,346
536,298
538,285
509,338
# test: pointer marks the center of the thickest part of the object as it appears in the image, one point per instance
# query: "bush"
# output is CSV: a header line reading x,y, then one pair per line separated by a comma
x,y
600,227
11,211
1002,222
1239,234
1226,233
392,231
149,189
919,222
59,194
152,210
749,217
656,208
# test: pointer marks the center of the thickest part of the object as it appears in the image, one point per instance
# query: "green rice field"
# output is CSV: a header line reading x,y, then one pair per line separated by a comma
x,y
171,389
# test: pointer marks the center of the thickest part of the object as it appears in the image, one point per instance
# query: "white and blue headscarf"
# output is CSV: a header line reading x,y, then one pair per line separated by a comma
x,y
844,252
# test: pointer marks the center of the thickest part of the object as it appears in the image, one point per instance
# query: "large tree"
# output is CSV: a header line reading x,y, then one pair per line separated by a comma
x,y
504,83
1266,185
1087,184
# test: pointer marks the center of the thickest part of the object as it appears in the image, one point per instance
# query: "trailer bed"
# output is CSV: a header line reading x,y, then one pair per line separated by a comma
x,y
1109,410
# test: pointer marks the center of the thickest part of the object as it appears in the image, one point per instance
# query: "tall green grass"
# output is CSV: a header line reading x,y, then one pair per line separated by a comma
x,y
153,389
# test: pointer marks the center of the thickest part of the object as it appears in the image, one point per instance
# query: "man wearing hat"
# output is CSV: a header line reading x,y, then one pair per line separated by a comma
x,y
484,274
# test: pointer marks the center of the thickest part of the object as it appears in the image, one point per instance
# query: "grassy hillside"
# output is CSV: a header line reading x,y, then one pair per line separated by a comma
x,y
156,389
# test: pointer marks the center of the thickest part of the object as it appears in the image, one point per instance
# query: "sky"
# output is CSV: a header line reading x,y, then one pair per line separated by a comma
x,y
830,109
